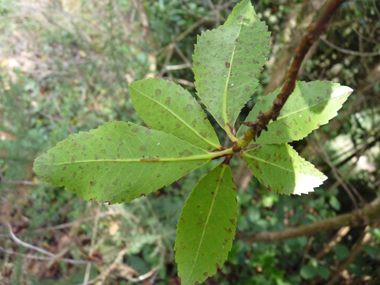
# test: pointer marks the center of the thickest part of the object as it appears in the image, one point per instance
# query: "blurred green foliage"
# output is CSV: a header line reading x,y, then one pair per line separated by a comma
x,y
65,69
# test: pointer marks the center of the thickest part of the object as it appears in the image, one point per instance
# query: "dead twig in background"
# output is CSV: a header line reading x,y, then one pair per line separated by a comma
x,y
351,52
43,258
35,248
20,182
102,277
337,175
93,237
333,242
368,213
364,238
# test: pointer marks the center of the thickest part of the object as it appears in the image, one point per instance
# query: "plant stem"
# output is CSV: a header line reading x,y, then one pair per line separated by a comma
x,y
312,35
366,215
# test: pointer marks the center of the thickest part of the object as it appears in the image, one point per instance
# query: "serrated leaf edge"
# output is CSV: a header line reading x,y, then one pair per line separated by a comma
x,y
209,214
225,93
326,121
299,192
178,117
207,155
309,107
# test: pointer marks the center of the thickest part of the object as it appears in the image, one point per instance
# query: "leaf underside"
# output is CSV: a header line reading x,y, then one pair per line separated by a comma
x,y
118,162
228,61
206,227
311,105
166,106
281,169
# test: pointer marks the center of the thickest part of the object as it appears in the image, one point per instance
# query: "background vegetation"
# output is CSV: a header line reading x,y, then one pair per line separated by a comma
x,y
65,66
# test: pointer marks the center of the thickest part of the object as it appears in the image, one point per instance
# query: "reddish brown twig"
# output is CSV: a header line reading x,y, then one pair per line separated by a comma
x,y
312,35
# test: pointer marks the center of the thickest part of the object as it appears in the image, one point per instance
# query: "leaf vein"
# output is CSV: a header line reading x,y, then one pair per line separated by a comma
x,y
179,118
208,216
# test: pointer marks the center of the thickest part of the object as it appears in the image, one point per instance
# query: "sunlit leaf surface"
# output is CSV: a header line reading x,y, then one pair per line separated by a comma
x,y
206,226
282,170
228,61
166,106
311,105
118,162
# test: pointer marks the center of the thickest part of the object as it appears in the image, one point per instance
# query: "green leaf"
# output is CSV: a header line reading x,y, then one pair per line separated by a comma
x,y
308,272
342,251
282,170
310,105
166,106
334,202
323,271
118,162
228,61
206,226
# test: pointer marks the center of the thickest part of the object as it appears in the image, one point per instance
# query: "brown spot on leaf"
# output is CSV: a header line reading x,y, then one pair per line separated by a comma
x,y
129,134
188,108
185,153
150,159
227,64
167,101
205,273
158,91
92,183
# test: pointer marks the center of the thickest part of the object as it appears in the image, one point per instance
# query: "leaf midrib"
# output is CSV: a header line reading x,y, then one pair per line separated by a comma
x,y
301,110
208,216
225,93
276,165
266,162
179,118
309,107
197,157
